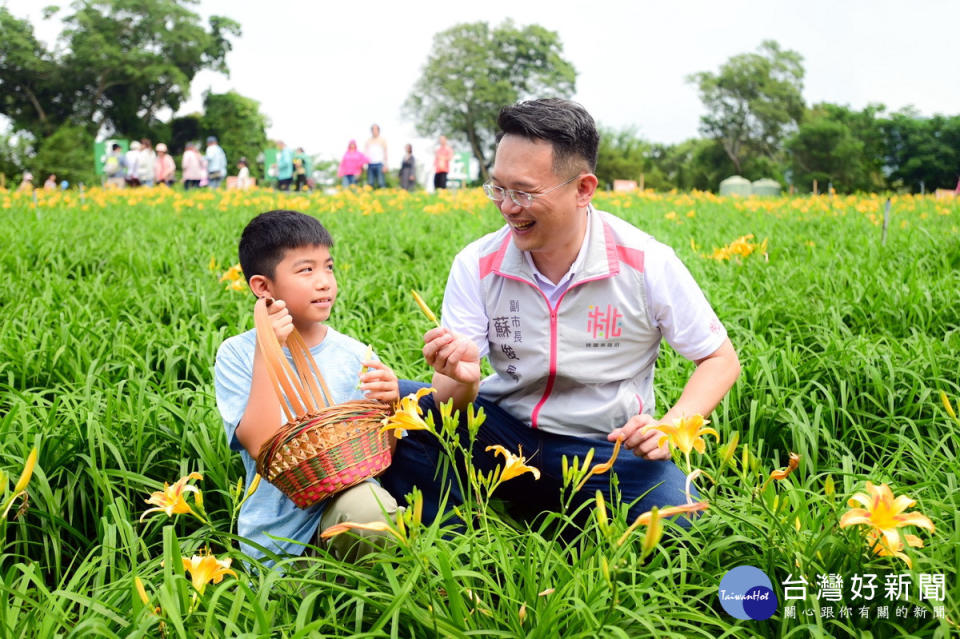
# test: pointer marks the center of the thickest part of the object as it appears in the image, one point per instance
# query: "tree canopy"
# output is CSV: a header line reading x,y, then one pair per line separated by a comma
x,y
117,64
752,101
475,69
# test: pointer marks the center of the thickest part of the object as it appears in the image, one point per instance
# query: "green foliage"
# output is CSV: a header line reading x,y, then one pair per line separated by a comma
x,y
15,151
751,102
622,155
473,70
118,63
239,126
105,367
922,149
67,154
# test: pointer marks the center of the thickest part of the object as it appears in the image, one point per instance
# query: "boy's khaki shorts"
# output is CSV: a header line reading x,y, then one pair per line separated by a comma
x,y
363,503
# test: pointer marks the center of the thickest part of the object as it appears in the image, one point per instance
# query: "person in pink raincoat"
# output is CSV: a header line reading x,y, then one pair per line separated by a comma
x,y
351,166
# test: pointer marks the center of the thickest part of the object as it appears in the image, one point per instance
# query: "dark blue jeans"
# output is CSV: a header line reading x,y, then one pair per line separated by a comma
x,y
375,175
417,458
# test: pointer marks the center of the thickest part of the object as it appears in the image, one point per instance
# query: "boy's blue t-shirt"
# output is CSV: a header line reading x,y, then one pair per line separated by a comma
x,y
268,510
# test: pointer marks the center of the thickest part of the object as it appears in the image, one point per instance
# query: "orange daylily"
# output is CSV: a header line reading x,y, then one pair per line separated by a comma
x,y
792,465
375,526
647,518
206,568
172,499
407,415
885,513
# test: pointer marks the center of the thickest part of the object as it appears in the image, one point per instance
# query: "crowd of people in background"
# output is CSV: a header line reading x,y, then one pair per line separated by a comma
x,y
374,158
144,164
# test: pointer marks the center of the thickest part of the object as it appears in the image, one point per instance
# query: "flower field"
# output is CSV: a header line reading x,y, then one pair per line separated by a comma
x,y
834,469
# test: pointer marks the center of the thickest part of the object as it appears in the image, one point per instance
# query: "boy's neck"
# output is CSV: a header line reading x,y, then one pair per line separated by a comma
x,y
313,333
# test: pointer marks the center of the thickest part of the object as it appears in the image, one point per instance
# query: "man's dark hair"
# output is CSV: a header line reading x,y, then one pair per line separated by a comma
x,y
564,124
267,236
116,146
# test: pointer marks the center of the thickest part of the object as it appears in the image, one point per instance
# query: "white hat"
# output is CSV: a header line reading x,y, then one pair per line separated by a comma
x,y
134,146
161,148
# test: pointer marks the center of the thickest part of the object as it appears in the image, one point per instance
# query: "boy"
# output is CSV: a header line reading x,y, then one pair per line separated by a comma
x,y
286,259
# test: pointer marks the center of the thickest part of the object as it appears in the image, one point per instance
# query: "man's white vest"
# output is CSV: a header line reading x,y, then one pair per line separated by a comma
x,y
585,366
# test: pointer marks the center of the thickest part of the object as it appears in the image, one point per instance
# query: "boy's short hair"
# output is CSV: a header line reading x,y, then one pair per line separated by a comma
x,y
269,235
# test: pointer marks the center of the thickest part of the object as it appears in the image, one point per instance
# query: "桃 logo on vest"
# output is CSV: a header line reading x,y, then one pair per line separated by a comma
x,y
604,324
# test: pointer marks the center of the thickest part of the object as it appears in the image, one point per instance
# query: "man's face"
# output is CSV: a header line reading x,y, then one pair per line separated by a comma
x,y
375,130
443,140
553,223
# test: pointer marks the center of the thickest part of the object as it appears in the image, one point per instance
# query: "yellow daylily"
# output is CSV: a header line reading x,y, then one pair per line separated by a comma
x,y
882,548
172,499
514,466
407,415
374,526
424,308
884,514
206,568
685,434
646,518
27,471
599,469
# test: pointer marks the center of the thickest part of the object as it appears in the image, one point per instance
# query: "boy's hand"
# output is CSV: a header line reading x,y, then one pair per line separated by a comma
x,y
379,382
642,443
280,317
452,355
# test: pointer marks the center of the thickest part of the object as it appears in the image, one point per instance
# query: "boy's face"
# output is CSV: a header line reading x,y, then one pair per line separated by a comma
x,y
304,279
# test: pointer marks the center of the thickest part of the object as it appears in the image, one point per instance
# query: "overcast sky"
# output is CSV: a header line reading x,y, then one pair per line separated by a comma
x,y
324,71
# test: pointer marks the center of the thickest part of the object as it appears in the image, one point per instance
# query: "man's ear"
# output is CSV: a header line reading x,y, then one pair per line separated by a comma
x,y
586,187
261,286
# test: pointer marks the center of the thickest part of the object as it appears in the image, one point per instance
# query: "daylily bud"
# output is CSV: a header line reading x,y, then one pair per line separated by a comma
x,y
27,471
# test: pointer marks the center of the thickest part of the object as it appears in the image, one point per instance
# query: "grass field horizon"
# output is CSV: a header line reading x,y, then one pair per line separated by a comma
x,y
114,305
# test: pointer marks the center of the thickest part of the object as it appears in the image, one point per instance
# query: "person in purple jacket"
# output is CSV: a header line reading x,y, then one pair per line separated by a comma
x,y
569,304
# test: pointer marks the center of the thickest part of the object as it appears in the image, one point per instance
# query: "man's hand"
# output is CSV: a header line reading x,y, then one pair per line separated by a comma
x,y
379,382
452,355
642,442
280,318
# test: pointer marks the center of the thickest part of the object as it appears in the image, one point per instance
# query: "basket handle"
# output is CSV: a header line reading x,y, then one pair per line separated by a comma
x,y
297,391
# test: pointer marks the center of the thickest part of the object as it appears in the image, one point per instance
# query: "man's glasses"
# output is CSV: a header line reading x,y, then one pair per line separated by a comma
x,y
520,198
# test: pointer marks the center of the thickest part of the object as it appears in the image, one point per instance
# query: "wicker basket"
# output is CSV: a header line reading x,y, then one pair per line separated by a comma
x,y
323,448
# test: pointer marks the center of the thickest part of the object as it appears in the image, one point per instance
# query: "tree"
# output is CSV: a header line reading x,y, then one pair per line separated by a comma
x,y
117,65
67,153
475,70
922,150
752,101
837,145
621,155
239,126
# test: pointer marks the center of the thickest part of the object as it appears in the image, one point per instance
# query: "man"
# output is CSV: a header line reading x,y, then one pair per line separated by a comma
x,y
376,151
114,166
216,163
569,304
441,163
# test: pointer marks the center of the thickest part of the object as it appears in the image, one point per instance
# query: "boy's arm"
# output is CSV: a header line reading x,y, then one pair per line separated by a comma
x,y
263,417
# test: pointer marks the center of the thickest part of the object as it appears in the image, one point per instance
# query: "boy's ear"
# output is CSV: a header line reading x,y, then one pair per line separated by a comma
x,y
260,286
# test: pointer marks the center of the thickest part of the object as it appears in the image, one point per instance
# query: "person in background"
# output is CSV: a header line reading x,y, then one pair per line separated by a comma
x,y
284,166
133,156
299,169
26,184
114,166
164,169
351,166
216,163
441,163
408,169
146,163
51,183
243,174
192,167
376,152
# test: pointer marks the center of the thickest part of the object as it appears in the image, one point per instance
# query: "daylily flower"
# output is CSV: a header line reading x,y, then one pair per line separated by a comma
x,y
407,415
172,499
599,469
515,465
375,526
206,568
646,518
232,274
685,434
791,466
879,543
27,471
885,514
